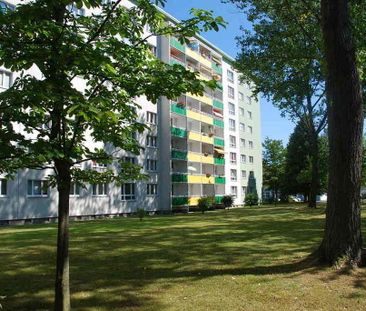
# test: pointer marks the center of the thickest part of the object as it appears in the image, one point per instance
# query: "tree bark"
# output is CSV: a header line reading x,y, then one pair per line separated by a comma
x,y
342,236
314,184
62,286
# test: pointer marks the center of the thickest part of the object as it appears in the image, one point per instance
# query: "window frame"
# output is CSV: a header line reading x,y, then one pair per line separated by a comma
x,y
152,189
96,190
44,185
130,196
3,182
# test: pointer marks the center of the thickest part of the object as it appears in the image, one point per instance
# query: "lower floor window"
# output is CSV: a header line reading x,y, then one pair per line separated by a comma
x,y
100,189
3,187
234,191
128,192
37,188
75,189
152,189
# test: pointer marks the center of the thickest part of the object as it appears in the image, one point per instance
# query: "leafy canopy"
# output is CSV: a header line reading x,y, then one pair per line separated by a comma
x,y
81,103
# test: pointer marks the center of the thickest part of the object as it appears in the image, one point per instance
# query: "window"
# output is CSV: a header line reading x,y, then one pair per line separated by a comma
x,y
244,174
75,10
128,192
241,112
242,142
231,92
5,78
106,1
75,189
37,188
232,125
152,189
241,96
151,165
243,159
230,75
232,141
242,127
231,109
250,128
251,159
151,117
95,164
232,157
4,7
131,160
243,190
250,116
233,175
234,191
100,189
3,187
151,141
251,144
249,100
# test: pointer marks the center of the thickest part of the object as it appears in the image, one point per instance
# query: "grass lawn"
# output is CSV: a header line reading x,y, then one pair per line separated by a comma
x,y
242,259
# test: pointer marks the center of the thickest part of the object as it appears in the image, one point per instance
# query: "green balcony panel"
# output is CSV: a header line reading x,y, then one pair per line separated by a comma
x,y
218,199
219,142
174,61
179,155
218,123
218,104
178,132
219,86
180,201
219,180
179,178
216,68
176,44
178,109
219,161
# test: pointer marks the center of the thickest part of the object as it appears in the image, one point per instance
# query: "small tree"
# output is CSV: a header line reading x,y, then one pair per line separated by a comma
x,y
141,213
251,199
227,200
92,69
204,204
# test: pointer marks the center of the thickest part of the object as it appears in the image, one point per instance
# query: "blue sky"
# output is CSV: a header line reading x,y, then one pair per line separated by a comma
x,y
273,125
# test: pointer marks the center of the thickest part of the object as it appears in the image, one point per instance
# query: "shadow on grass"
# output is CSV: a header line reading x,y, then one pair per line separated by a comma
x,y
124,263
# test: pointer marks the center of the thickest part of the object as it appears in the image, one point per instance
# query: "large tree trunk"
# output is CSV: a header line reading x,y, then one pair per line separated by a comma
x,y
62,286
314,184
342,237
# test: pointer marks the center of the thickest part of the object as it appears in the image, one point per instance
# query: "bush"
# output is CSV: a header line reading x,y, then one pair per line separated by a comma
x,y
205,203
227,200
141,213
251,199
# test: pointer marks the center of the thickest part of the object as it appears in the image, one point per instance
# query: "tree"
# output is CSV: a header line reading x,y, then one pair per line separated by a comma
x,y
59,114
342,242
297,176
274,155
283,58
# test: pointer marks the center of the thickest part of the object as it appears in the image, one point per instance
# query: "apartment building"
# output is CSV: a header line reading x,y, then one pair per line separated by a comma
x,y
196,145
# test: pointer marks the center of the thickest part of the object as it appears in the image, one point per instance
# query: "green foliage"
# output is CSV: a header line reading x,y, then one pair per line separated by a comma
x,y
252,184
141,213
108,51
205,203
274,155
227,200
251,199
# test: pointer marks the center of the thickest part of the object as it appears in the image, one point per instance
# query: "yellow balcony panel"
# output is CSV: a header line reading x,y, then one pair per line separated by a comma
x,y
194,136
204,99
193,201
204,61
194,179
207,139
199,117
208,180
202,77
194,157
193,54
209,159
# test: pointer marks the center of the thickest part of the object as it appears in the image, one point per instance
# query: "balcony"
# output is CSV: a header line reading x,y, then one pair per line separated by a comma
x,y
177,201
176,44
175,61
216,68
179,155
220,180
178,132
178,109
179,178
218,104
219,142
219,161
218,123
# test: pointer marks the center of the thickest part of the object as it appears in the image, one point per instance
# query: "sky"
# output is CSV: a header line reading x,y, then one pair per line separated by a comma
x,y
273,125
